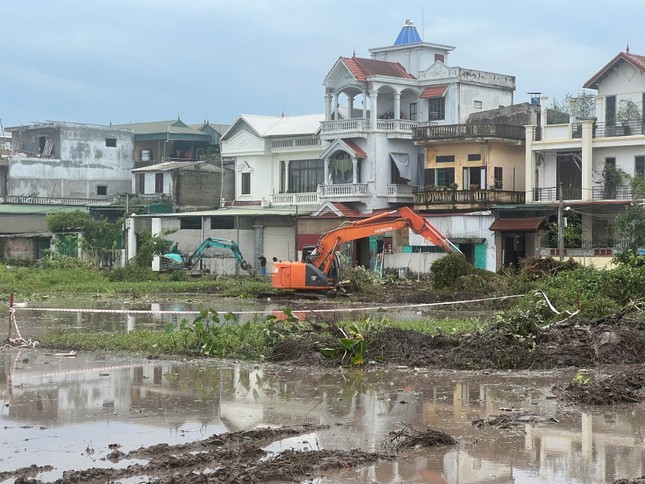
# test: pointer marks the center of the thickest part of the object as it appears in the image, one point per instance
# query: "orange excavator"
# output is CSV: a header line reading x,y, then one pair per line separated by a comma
x,y
320,269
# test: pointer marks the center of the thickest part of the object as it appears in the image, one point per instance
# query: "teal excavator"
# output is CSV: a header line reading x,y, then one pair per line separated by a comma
x,y
174,260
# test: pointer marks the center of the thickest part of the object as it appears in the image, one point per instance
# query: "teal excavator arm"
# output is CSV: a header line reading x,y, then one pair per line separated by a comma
x,y
175,261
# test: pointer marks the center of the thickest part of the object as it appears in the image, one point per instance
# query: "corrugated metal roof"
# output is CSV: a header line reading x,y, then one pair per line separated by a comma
x,y
530,224
284,125
156,127
251,210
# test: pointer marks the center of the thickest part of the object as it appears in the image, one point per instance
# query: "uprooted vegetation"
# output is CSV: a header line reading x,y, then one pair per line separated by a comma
x,y
625,387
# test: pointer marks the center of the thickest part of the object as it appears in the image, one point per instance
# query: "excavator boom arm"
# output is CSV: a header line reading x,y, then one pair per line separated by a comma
x,y
382,223
224,244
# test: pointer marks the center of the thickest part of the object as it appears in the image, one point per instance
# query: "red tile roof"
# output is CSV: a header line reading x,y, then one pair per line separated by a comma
x,y
345,210
358,151
362,68
637,61
530,224
434,91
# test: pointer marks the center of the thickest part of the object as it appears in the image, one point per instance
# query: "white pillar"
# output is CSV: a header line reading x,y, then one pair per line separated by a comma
x,y
131,240
364,104
326,180
354,170
328,100
397,105
529,165
286,176
587,162
350,107
373,108
543,111
334,108
155,229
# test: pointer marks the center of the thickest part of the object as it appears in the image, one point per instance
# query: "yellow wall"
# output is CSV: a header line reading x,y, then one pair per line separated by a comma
x,y
493,154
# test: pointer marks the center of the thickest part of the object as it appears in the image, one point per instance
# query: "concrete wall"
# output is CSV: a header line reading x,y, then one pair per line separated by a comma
x,y
515,115
18,248
81,162
204,188
22,223
215,260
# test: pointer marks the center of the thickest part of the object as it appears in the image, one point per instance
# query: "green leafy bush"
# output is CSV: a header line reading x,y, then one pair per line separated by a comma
x,y
446,271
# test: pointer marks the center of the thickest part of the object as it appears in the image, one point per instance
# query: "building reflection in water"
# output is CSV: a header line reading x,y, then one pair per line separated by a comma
x,y
360,408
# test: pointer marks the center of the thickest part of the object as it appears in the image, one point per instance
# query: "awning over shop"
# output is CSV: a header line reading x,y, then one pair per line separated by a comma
x,y
530,224
434,91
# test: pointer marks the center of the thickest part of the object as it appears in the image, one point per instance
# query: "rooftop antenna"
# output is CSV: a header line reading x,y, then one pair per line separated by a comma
x,y
423,24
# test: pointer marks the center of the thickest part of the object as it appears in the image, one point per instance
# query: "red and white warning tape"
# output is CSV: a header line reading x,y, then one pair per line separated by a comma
x,y
312,311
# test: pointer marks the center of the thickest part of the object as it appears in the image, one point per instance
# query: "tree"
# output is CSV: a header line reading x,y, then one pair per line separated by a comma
x,y
582,106
572,231
630,228
613,178
151,245
627,112
100,237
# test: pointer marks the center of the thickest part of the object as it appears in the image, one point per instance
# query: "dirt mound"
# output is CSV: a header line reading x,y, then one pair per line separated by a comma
x,y
625,387
237,457
616,340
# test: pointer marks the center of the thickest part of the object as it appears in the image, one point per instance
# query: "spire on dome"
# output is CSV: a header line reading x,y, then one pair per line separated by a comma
x,y
408,34
627,49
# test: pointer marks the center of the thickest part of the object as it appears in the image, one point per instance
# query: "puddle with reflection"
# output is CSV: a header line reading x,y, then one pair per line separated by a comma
x,y
66,412
37,317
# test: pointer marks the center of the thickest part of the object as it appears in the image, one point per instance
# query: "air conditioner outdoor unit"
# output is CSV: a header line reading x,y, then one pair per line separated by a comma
x,y
266,203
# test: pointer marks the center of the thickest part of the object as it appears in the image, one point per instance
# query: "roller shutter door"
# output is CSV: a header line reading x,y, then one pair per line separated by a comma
x,y
279,242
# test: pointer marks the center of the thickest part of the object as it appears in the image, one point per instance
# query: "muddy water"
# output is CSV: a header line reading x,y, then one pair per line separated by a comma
x,y
67,411
83,314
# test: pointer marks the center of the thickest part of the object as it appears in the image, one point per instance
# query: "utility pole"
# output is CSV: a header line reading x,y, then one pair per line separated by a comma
x,y
560,224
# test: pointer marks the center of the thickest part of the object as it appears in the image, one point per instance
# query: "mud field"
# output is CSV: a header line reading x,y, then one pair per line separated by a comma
x,y
561,404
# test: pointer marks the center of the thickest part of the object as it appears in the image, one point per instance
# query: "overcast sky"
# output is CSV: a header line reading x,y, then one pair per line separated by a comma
x,y
121,61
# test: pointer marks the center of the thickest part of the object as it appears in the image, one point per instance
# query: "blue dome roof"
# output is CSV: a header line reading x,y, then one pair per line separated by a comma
x,y
408,34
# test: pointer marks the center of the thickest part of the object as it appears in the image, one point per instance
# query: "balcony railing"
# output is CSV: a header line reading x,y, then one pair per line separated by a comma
x,y
460,131
599,192
477,197
600,130
294,143
621,192
344,190
400,190
78,202
550,194
395,125
294,198
604,130
345,125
